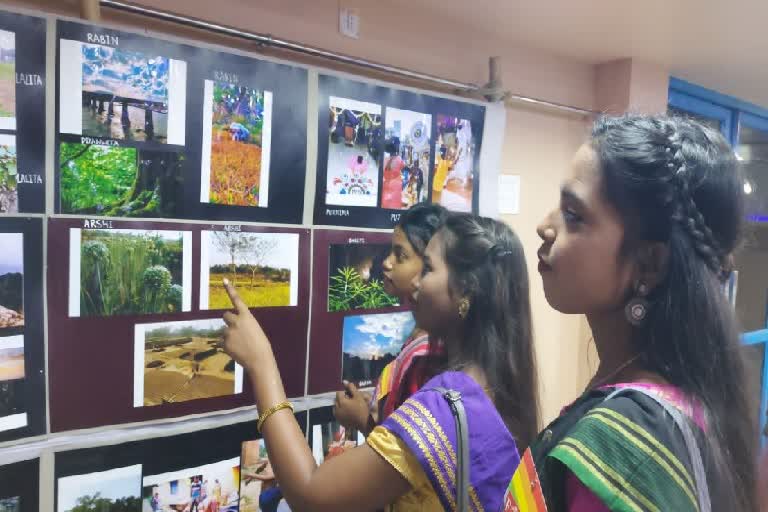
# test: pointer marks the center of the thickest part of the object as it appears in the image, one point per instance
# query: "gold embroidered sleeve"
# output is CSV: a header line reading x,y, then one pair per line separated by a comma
x,y
392,449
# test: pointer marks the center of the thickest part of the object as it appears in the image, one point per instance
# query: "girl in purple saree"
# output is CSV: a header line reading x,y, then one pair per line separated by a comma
x,y
473,297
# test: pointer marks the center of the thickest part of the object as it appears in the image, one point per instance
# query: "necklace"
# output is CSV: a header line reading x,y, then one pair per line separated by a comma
x,y
615,372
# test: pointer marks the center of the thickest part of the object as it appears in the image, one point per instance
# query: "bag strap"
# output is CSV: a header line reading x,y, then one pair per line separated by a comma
x,y
462,439
699,474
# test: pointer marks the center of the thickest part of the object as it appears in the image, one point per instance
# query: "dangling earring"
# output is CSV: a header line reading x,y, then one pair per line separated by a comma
x,y
463,308
637,308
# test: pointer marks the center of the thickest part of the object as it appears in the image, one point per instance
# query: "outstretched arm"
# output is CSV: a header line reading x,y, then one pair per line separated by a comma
x,y
359,479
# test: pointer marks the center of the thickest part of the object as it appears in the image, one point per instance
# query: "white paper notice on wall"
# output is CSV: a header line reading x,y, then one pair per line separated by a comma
x,y
349,22
509,194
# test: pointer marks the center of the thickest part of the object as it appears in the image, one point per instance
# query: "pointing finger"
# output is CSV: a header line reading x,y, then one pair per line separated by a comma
x,y
237,302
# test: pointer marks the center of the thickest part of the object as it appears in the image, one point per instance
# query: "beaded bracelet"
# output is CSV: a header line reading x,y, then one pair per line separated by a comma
x,y
272,410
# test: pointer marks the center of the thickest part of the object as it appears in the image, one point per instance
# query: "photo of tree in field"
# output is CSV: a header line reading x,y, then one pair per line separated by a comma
x,y
263,267
355,277
11,280
10,504
131,271
119,181
184,361
115,490
125,94
7,79
238,137
370,342
9,193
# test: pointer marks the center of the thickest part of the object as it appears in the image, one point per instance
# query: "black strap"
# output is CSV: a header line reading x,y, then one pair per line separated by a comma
x,y
462,440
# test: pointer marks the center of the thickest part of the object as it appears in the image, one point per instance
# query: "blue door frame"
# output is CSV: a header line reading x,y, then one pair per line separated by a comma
x,y
732,114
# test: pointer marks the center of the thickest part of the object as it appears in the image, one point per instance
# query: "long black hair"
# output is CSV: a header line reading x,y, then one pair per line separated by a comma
x,y
487,265
677,182
420,223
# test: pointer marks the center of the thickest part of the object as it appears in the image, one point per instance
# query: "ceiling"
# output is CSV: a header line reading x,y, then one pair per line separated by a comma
x,y
717,44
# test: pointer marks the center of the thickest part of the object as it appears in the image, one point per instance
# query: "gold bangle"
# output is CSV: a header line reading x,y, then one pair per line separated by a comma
x,y
272,410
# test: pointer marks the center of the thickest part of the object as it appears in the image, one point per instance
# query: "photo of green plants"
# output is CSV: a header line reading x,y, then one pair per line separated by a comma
x,y
118,181
355,277
128,271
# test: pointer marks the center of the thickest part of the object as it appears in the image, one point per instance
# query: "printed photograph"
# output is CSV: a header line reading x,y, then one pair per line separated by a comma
x,y
330,439
125,94
129,271
182,361
7,80
353,152
9,191
119,181
10,504
12,413
406,158
370,342
11,280
11,358
259,489
355,277
263,266
121,94
454,164
213,487
115,490
237,127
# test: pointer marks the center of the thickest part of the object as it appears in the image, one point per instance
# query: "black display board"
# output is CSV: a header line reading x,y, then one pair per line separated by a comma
x,y
20,486
150,128
371,136
22,379
22,113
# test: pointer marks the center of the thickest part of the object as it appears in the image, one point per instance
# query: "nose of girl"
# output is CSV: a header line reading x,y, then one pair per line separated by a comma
x,y
546,233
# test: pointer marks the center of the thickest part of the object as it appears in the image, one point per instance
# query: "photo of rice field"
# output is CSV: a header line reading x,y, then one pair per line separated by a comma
x,y
261,265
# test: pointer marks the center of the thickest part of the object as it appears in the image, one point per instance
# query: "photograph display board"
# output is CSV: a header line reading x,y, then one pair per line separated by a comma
x,y
153,129
20,486
382,150
211,469
125,302
22,356
22,113
356,326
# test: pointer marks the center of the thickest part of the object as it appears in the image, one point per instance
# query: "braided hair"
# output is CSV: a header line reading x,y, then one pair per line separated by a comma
x,y
676,182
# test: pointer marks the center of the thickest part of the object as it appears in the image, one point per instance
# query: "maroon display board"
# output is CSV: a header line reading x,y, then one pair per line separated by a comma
x,y
327,328
92,347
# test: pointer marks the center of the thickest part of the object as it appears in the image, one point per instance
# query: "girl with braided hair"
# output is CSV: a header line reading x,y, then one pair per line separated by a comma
x,y
639,244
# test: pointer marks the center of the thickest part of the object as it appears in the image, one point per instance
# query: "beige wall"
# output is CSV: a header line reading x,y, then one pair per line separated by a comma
x,y
538,144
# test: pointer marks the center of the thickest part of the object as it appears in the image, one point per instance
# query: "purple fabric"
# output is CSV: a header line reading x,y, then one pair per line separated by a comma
x,y
426,424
